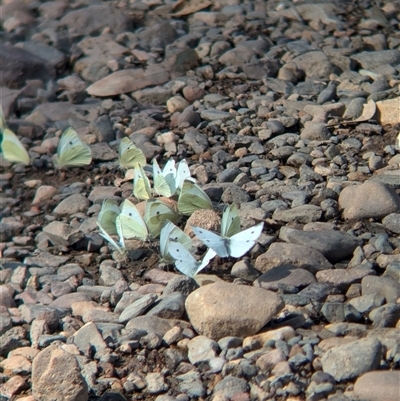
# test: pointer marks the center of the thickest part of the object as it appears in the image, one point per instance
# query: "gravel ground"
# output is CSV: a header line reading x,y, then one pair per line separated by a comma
x,y
289,109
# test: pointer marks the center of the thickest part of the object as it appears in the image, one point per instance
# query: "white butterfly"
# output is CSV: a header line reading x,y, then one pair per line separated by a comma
x,y
397,145
130,155
10,146
164,181
141,184
156,214
182,174
167,181
230,224
192,198
235,246
131,222
107,216
170,233
184,260
119,247
72,151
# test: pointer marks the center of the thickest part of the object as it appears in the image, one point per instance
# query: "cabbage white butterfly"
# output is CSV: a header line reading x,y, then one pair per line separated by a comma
x,y
164,181
119,247
130,155
10,146
132,223
141,184
170,233
72,151
397,145
107,216
156,214
192,198
182,174
230,224
184,260
235,246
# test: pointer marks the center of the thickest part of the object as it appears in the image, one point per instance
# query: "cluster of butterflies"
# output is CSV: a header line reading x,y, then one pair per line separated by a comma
x,y
159,220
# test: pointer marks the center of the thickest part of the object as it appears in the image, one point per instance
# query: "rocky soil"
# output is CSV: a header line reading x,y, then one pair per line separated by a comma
x,y
288,108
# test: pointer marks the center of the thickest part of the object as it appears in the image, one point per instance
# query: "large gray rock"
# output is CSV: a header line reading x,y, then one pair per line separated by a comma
x,y
301,256
368,200
351,360
385,286
55,372
18,66
378,385
92,20
71,205
222,309
334,245
285,276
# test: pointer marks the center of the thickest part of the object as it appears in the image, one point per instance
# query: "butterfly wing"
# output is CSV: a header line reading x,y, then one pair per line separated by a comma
x,y
192,198
213,241
210,254
132,223
107,216
3,124
141,184
156,214
241,242
182,173
169,173
169,168
108,238
184,260
72,151
230,224
171,233
160,184
118,226
130,155
11,148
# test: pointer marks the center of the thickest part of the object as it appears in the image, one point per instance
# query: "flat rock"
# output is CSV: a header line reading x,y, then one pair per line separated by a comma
x,y
385,286
201,349
48,53
66,301
19,65
392,222
377,386
343,277
61,233
170,306
300,214
285,276
71,205
348,361
221,309
301,256
372,60
154,324
92,20
137,308
88,337
334,245
55,372
315,64
132,80
369,200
